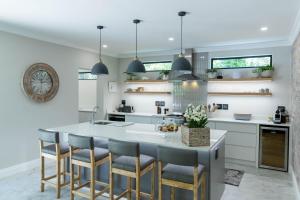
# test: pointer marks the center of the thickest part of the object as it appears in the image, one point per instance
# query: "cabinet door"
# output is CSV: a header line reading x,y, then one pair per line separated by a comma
x,y
211,125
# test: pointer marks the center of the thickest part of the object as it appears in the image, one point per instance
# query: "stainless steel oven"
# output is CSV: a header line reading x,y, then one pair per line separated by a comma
x,y
273,147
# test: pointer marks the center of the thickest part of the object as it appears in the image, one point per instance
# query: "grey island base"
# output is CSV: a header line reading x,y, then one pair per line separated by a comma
x,y
212,157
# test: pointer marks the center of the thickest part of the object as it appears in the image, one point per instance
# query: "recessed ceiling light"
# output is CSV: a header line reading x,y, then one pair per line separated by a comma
x,y
171,39
104,46
264,28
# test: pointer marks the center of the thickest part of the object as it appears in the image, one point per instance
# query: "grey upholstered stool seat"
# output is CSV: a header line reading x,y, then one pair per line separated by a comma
x,y
51,149
181,170
128,162
84,154
181,173
125,159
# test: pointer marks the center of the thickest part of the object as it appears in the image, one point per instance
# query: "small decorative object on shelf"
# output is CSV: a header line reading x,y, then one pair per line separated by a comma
x,y
164,75
255,73
266,71
195,132
212,73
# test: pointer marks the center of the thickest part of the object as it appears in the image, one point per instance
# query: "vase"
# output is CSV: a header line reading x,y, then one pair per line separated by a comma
x,y
212,75
165,77
267,74
194,137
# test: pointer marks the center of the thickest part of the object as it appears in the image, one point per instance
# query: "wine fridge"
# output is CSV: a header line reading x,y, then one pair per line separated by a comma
x,y
273,147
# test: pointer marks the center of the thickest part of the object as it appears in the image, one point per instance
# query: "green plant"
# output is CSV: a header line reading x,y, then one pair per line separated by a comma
x,y
264,68
211,70
196,116
164,72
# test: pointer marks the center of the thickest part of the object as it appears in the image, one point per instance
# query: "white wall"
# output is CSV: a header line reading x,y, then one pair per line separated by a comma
x,y
20,117
144,103
87,94
260,107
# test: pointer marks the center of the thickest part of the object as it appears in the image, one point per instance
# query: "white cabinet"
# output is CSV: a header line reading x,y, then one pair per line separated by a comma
x,y
241,141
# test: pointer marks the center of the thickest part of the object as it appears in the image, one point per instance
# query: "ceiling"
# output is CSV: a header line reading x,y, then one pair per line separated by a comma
x,y
210,22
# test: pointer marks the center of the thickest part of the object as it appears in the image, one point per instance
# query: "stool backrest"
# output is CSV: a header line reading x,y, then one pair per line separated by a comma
x,y
177,156
124,148
48,136
81,142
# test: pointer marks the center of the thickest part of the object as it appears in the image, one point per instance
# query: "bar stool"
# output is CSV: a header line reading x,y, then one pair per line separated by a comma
x,y
84,154
55,151
125,159
181,170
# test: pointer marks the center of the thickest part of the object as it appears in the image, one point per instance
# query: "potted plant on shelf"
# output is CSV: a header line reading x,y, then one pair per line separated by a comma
x,y
164,74
255,73
195,132
212,73
267,71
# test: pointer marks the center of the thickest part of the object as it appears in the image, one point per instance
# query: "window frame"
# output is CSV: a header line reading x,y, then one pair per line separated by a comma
x,y
87,72
237,57
152,62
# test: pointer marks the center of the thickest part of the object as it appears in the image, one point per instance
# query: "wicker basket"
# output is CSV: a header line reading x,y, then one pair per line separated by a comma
x,y
194,137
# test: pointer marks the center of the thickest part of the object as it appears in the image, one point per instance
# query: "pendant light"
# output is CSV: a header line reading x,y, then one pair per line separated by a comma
x,y
100,68
136,66
181,63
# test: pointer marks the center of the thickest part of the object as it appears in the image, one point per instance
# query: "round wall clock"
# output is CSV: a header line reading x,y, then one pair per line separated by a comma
x,y
40,82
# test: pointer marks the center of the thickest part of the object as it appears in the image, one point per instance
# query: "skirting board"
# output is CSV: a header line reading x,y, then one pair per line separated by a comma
x,y
10,171
296,187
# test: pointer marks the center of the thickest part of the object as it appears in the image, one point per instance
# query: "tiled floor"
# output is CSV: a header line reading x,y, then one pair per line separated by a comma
x,y
256,184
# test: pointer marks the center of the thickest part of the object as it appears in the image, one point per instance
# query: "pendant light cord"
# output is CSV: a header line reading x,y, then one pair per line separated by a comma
x,y
181,35
136,40
100,47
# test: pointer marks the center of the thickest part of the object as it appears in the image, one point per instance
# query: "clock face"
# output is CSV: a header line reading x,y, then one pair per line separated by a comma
x,y
40,82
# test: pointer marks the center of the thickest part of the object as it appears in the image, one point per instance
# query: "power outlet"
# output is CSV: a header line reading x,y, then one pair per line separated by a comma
x,y
220,106
225,106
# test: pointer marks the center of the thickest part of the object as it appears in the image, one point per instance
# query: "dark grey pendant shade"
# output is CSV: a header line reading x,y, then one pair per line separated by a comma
x,y
100,68
181,64
136,66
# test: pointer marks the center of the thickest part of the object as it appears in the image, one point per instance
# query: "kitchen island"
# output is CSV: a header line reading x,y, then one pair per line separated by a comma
x,y
211,156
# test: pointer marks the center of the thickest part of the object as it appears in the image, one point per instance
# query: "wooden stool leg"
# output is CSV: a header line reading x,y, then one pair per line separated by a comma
x,y
138,191
153,182
92,185
64,170
111,179
79,174
203,187
42,159
58,176
159,181
72,180
172,193
196,183
129,188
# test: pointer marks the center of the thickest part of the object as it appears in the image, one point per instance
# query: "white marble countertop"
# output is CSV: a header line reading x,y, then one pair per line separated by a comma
x,y
213,119
136,132
137,114
252,121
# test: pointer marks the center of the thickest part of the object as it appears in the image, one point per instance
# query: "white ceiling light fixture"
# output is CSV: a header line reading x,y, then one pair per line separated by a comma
x,y
264,28
171,39
104,46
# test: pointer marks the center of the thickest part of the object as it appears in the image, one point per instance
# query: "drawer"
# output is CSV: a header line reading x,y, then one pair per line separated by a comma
x,y
241,139
138,119
237,127
240,153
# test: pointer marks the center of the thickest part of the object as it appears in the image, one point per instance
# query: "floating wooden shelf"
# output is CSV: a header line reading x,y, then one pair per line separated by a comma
x,y
240,79
148,92
239,94
146,81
